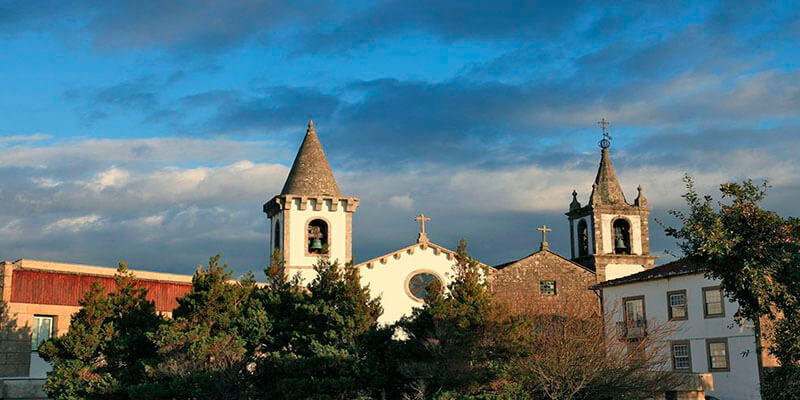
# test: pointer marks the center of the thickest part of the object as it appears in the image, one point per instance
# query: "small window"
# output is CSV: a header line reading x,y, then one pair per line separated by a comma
x,y
547,288
634,310
717,355
42,330
681,356
676,303
583,238
713,306
622,236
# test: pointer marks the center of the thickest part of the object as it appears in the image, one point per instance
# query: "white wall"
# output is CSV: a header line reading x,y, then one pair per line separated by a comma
x,y
614,271
741,383
389,280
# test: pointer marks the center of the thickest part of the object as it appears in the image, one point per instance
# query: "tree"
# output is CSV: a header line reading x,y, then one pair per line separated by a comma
x,y
754,252
460,341
577,356
319,347
106,348
204,349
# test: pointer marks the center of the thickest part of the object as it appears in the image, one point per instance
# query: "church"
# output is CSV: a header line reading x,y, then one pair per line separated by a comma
x,y
311,218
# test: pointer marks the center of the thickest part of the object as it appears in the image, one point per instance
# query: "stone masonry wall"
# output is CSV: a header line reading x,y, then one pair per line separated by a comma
x,y
518,285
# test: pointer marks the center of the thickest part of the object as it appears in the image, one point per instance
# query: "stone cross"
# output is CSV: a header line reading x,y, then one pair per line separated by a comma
x,y
423,237
544,229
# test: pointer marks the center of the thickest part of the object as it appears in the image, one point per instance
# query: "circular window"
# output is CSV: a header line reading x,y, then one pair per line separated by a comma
x,y
418,285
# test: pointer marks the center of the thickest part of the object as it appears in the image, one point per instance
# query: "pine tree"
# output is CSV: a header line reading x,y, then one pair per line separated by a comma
x,y
106,348
204,350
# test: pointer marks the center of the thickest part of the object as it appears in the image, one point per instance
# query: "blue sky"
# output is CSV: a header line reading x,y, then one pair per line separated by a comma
x,y
153,131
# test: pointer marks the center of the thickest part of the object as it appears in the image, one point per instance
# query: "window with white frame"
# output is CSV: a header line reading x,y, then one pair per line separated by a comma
x,y
717,354
681,357
42,330
712,302
676,301
547,288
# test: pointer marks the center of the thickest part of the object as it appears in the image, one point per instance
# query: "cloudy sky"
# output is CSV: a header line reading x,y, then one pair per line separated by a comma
x,y
153,131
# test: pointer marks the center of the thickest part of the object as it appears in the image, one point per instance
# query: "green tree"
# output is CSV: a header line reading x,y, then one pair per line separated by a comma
x,y
753,251
321,336
106,348
203,351
460,342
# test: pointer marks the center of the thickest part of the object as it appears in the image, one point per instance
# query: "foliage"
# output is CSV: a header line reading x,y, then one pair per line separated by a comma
x,y
106,348
460,341
754,252
322,336
781,383
204,348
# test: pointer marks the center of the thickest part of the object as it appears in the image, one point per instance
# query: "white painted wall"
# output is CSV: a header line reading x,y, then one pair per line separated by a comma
x,y
608,236
390,280
614,271
742,382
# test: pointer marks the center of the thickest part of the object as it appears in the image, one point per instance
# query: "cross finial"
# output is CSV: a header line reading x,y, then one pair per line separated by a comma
x,y
544,229
606,142
423,237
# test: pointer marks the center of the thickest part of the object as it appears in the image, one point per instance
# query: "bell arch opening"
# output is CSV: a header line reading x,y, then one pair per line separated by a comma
x,y
317,237
276,236
583,238
622,236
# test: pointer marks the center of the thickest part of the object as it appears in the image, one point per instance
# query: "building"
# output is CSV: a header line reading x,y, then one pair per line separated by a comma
x,y
41,298
698,321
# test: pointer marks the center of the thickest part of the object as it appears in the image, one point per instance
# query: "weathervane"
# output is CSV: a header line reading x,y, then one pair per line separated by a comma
x,y
606,142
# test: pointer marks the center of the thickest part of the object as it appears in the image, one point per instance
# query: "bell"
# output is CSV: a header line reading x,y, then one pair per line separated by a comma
x,y
316,244
620,243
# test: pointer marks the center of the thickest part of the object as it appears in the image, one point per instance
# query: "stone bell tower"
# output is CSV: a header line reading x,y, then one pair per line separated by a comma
x,y
310,218
609,235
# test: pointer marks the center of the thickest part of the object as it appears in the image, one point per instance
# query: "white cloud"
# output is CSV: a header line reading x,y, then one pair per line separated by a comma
x,y
112,177
404,201
24,138
75,224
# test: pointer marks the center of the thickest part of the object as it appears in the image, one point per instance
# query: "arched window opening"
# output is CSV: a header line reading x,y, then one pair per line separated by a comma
x,y
276,237
622,237
583,238
317,240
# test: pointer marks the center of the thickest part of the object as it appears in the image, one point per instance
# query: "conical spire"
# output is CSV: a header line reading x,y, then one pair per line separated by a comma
x,y
606,188
311,174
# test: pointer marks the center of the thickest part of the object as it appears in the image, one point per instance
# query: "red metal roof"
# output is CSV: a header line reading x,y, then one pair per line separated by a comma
x,y
58,288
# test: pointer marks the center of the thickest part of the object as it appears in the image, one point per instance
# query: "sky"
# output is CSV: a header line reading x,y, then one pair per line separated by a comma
x,y
153,132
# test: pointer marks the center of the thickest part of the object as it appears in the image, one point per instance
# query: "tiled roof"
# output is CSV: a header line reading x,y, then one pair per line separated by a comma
x,y
675,268
311,174
510,263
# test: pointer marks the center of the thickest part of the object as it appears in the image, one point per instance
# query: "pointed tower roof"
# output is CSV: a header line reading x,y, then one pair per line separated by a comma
x,y
606,188
311,174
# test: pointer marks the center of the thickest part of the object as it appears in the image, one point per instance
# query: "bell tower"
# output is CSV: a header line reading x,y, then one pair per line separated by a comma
x,y
310,218
608,235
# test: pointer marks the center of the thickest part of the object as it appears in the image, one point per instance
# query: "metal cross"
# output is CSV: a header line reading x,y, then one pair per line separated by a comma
x,y
422,219
544,229
603,125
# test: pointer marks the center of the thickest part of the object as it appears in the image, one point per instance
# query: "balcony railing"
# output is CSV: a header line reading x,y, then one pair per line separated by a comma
x,y
632,329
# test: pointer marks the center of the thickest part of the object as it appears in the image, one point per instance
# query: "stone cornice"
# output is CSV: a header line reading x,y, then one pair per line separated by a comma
x,y
283,201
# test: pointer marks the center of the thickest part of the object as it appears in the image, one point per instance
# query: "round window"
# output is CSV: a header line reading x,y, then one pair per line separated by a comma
x,y
418,285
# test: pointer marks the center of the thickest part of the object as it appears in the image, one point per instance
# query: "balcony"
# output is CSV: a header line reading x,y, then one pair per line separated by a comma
x,y
634,329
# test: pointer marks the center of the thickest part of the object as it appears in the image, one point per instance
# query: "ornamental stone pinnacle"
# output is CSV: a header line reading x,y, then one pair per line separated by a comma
x,y
311,174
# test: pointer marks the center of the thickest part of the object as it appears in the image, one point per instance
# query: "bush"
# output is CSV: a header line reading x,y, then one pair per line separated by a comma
x,y
781,383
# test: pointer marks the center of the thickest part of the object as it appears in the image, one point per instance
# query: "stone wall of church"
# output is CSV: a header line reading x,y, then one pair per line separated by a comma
x,y
518,285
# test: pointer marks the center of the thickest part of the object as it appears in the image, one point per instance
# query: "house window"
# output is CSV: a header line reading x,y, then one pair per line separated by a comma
x,y
717,355
634,310
547,288
583,238
676,305
681,356
317,237
42,330
622,236
713,306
